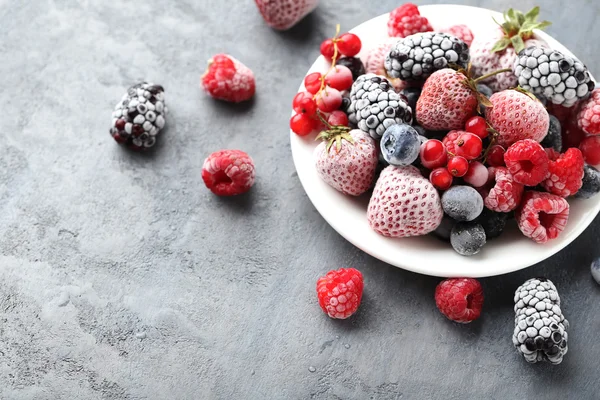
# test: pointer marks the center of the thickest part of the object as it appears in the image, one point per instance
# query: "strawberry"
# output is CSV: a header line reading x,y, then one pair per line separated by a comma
x,y
460,31
283,14
228,79
404,204
517,115
498,48
349,165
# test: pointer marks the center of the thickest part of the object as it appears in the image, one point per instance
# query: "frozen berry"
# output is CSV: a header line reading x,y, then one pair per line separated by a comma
x,y
495,157
463,203
304,103
588,117
493,223
355,65
337,118
440,178
485,90
302,125
406,20
463,32
458,166
590,183
469,146
328,49
505,194
459,299
542,216
312,82
340,292
228,172
228,79
329,99
553,138
590,148
572,136
467,238
527,162
412,94
433,154
400,145
339,78
445,229
477,126
565,172
595,268
349,44
477,175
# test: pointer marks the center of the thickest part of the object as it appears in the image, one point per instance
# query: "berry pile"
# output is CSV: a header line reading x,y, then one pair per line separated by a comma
x,y
444,152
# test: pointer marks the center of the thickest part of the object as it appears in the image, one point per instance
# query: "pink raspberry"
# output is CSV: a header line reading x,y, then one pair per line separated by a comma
x,y
228,172
527,162
542,216
340,292
588,118
407,20
565,172
505,194
459,299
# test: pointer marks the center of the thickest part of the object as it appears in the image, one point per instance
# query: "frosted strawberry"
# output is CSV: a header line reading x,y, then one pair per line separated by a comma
x,y
228,79
460,31
346,160
404,204
498,48
283,14
517,115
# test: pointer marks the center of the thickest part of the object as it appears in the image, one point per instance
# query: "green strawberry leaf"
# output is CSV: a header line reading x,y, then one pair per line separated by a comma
x,y
517,43
533,14
501,45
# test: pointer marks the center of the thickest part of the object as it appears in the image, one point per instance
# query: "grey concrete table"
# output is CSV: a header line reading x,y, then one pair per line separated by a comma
x,y
122,277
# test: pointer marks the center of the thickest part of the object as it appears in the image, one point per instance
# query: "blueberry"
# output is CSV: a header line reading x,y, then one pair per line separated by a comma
x,y
485,90
553,138
444,230
467,238
591,183
412,95
354,64
463,203
596,270
400,145
493,223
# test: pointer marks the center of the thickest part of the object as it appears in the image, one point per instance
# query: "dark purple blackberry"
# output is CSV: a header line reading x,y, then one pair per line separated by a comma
x,y
549,73
493,223
412,95
354,64
416,57
139,116
553,138
364,85
377,111
591,183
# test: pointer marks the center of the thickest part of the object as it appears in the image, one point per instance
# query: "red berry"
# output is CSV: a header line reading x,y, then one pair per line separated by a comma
x,y
228,172
301,124
458,166
459,299
228,79
543,216
495,157
590,147
527,162
329,99
460,31
478,126
406,20
572,136
338,118
469,146
505,194
433,154
312,82
440,178
450,141
340,78
477,175
565,172
349,44
304,104
588,117
339,292
328,48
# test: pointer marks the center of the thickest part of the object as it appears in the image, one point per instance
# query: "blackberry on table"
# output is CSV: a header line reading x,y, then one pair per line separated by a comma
x,y
417,56
364,85
354,64
549,73
139,116
377,111
553,138
591,183
467,238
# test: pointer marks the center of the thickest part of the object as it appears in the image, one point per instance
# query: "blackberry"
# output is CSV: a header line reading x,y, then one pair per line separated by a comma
x,y
354,64
493,223
549,73
412,95
139,116
418,56
540,328
362,87
591,183
553,138
467,238
376,112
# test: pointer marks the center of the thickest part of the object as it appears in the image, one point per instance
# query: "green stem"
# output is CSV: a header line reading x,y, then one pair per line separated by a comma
x,y
484,77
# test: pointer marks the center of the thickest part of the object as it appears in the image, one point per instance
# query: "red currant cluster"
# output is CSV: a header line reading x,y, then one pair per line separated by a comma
x,y
319,106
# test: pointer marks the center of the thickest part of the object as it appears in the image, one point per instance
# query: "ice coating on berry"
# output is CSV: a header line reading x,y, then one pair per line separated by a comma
x,y
565,172
228,79
404,204
375,60
505,194
542,216
477,175
283,14
365,85
407,20
400,145
588,117
459,299
340,292
527,162
493,223
350,170
228,172
376,112
553,138
354,64
463,203
517,116
590,183
463,32
467,238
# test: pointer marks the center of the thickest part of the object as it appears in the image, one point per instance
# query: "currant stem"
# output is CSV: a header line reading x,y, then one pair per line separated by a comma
x,y
492,142
333,60
484,77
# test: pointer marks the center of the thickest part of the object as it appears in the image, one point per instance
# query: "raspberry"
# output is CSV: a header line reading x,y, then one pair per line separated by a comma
x,y
459,299
460,31
228,172
588,118
228,79
340,292
505,195
406,20
542,216
565,172
527,162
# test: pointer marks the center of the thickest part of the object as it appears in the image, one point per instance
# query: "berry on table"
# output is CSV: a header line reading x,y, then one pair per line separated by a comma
x,y
542,216
441,178
505,194
337,118
302,125
340,292
228,172
595,269
349,44
495,156
477,126
493,223
312,82
328,49
527,162
469,146
590,183
565,172
283,14
228,79
460,31
477,175
458,166
459,299
329,99
590,148
406,20
462,203
588,117
400,145
354,64
339,77
304,103
553,138
433,154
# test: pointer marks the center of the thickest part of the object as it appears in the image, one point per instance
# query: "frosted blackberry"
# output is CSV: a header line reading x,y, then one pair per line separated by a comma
x,y
540,328
139,116
364,85
553,138
463,203
493,223
378,110
417,56
559,78
467,238
354,64
591,183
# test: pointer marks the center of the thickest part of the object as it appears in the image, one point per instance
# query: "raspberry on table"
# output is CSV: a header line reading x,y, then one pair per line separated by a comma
x,y
407,20
340,292
588,117
527,162
542,216
228,79
505,194
565,172
228,172
459,299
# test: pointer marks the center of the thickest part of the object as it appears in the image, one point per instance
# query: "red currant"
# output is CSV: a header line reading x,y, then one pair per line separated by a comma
x,y
477,175
312,82
338,118
458,166
328,48
477,126
441,178
304,104
329,99
433,154
349,44
590,148
301,124
495,157
340,78
469,146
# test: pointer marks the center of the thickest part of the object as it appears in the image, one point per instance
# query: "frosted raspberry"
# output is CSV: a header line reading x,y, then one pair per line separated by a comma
x,y
542,216
460,31
459,299
505,194
406,20
228,172
228,79
588,118
565,172
527,162
340,292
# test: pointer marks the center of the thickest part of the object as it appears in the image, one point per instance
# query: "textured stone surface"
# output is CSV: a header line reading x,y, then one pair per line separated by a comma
x,y
122,277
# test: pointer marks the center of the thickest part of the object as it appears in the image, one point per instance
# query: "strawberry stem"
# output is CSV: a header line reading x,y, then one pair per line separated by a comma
x,y
492,142
486,76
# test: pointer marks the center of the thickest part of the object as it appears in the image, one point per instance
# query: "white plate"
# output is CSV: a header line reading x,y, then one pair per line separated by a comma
x,y
426,254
